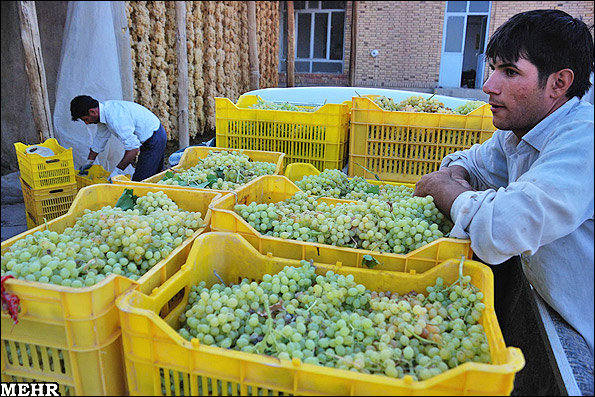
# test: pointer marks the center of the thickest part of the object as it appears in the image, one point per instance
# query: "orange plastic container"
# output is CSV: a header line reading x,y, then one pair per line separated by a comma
x,y
71,335
160,362
275,188
320,137
404,146
44,172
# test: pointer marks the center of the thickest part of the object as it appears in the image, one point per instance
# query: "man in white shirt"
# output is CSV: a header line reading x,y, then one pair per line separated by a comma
x,y
139,130
529,189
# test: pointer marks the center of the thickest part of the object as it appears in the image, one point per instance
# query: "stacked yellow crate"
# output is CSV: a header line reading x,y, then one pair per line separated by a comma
x,y
47,180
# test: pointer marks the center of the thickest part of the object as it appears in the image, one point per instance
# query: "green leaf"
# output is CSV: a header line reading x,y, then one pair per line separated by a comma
x,y
219,172
127,200
369,261
168,175
373,189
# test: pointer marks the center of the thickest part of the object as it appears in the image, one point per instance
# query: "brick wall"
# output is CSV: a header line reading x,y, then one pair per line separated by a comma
x,y
408,36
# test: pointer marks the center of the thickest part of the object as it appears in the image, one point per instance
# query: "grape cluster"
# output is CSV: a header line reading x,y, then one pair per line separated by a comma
x,y
417,103
110,240
330,320
370,224
334,183
222,170
286,106
468,107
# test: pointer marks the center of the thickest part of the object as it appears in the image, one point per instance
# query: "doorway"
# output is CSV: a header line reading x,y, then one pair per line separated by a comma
x,y
473,54
464,39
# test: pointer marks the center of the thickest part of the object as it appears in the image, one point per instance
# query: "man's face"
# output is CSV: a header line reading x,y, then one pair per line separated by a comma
x,y
92,117
518,103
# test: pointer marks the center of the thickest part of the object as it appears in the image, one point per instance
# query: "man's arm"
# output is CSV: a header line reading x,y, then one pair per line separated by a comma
x,y
444,185
128,158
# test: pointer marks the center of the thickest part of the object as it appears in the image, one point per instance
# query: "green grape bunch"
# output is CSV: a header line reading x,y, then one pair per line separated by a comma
x,y
331,320
127,242
417,103
372,224
284,106
334,183
222,170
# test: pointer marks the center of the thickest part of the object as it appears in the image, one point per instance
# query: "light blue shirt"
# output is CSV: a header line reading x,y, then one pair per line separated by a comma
x,y
130,122
535,198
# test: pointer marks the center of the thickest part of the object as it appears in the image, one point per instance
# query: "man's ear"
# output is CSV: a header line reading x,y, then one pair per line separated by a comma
x,y
94,112
559,82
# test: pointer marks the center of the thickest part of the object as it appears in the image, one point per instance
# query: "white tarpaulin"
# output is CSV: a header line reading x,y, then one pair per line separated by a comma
x,y
89,65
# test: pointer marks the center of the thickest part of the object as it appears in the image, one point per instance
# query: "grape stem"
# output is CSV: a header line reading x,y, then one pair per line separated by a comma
x,y
220,279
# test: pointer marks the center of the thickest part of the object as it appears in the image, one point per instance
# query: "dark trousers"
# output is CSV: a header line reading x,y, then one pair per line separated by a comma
x,y
150,158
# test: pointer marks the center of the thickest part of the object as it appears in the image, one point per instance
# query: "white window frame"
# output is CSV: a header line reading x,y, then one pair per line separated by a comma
x,y
311,59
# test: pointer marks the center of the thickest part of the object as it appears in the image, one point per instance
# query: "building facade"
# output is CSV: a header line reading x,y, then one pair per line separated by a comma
x,y
413,45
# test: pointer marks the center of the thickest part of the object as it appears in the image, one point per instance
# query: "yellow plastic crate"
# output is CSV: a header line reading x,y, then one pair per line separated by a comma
x,y
48,203
404,146
152,345
96,174
44,172
320,137
82,325
193,154
297,171
274,188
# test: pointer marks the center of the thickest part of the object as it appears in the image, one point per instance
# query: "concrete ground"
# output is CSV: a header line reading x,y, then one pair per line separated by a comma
x,y
14,220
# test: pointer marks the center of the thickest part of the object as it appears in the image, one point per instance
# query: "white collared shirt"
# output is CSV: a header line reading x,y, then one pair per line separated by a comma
x,y
130,122
535,197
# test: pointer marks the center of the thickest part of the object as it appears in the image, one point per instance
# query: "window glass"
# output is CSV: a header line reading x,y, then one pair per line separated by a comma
x,y
335,5
337,31
327,67
456,6
298,5
479,6
312,4
302,66
454,34
303,35
320,34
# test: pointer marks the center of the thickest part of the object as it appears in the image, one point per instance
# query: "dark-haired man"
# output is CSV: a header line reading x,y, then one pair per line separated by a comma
x,y
529,189
134,125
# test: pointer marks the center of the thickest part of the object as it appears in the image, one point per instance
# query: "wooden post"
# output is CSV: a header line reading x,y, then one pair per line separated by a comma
x,y
352,53
290,45
253,46
35,70
182,52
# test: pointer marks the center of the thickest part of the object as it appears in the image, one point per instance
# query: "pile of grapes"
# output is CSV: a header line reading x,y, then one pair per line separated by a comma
x,y
331,320
262,104
334,183
417,103
221,170
111,240
371,224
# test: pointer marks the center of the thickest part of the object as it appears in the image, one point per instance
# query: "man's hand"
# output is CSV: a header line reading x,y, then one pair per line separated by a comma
x,y
85,167
444,185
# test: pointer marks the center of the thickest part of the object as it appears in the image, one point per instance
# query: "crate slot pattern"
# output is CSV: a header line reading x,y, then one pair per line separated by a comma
x,y
404,146
177,383
45,172
83,323
47,203
319,138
